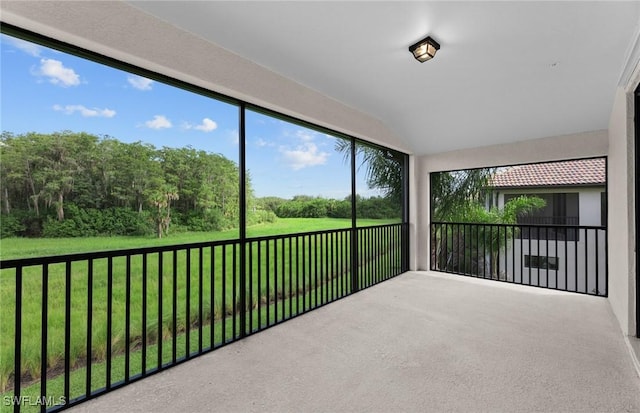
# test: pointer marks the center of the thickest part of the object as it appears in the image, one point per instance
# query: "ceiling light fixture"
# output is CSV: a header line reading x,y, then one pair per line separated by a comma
x,y
425,49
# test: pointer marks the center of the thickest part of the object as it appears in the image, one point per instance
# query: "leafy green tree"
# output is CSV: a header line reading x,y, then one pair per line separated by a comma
x,y
63,159
494,239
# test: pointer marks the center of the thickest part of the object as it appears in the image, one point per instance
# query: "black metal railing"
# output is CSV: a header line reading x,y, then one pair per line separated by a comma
x,y
77,326
568,258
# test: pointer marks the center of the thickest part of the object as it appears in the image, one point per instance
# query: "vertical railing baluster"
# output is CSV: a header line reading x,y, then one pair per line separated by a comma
x,y
346,255
321,264
478,249
484,253
144,314
17,366
44,335
606,264
127,318
506,254
67,331
557,259
298,275
224,293
174,333
334,265
464,249
89,330
284,268
369,255
275,280
389,255
315,272
530,255
522,255
250,246
304,274
548,255
234,287
446,247
200,298
212,297
160,315
109,319
597,264
458,261
259,275
538,252
290,295
513,252
268,276
187,317
566,259
586,261
498,248
575,245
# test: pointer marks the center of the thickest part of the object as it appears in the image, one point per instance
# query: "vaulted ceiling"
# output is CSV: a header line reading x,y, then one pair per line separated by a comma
x,y
506,71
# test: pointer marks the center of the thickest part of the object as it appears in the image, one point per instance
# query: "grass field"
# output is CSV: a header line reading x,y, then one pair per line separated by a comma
x,y
11,248
279,272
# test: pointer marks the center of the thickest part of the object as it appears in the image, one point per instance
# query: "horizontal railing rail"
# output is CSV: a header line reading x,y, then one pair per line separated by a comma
x,y
76,326
563,257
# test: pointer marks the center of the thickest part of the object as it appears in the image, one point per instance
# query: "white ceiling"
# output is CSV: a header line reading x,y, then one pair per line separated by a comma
x,y
506,71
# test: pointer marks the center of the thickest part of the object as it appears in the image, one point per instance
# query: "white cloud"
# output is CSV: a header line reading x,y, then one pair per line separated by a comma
x,y
207,125
261,143
27,47
304,156
57,73
233,136
158,122
306,135
139,82
84,111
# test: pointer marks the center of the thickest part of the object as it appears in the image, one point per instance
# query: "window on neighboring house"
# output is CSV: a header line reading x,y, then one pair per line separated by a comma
x,y
541,261
560,209
603,209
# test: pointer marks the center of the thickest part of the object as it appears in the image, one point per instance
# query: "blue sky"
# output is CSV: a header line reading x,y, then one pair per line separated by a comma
x,y
46,91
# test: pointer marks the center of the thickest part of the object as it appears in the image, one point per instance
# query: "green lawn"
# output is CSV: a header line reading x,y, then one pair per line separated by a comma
x,y
313,268
11,248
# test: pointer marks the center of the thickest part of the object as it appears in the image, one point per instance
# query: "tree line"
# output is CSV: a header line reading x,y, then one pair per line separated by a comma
x,y
77,184
304,206
71,184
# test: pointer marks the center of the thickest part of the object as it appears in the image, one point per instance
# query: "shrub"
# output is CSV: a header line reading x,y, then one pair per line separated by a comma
x,y
211,220
260,216
10,226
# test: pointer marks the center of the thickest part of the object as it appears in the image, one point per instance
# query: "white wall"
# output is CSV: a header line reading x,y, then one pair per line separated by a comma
x,y
574,146
120,31
590,203
582,264
621,212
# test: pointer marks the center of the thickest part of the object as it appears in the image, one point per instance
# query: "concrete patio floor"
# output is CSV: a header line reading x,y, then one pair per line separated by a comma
x,y
420,342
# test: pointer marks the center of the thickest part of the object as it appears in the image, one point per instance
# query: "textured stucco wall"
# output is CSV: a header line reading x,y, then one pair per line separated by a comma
x,y
621,213
120,31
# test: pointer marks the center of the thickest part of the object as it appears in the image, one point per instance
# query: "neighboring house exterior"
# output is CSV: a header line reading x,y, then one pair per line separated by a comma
x,y
567,237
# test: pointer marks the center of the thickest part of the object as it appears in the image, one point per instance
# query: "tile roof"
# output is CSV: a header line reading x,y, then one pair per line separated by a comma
x,y
565,173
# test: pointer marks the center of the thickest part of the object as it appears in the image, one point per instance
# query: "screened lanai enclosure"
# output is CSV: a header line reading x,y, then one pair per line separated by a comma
x,y
77,324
